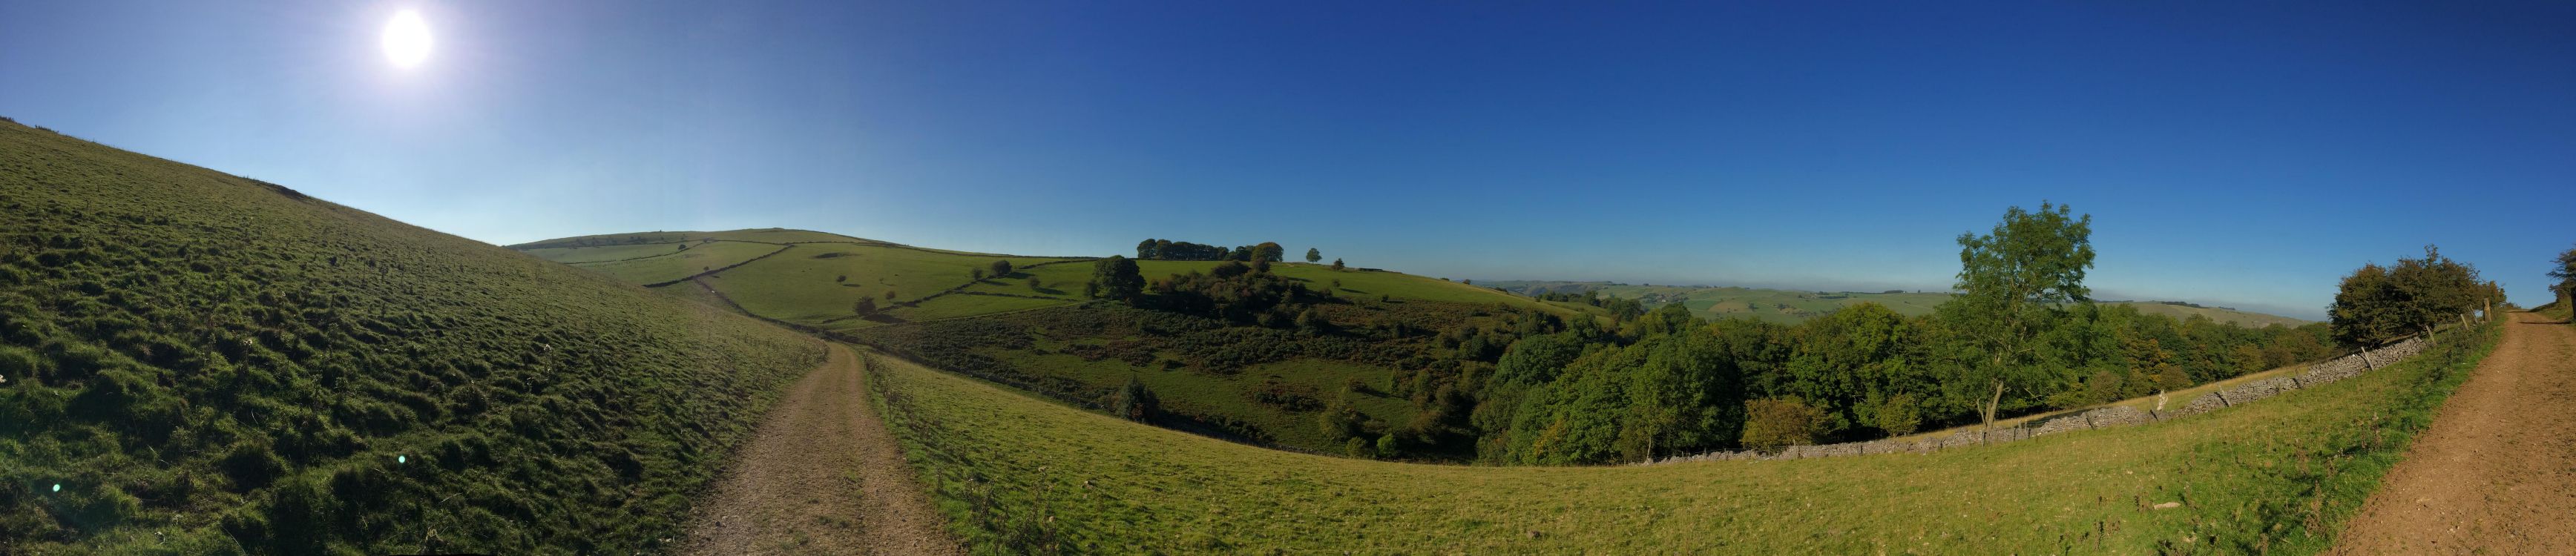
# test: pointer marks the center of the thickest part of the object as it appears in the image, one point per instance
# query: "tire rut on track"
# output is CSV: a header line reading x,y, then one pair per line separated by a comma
x,y
2496,471
822,476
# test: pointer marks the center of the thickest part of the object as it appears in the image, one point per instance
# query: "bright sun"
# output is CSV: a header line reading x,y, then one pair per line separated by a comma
x,y
406,39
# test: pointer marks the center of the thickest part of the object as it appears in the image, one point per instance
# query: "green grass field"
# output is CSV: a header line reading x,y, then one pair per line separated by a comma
x,y
699,257
1020,475
817,283
197,363
757,235
605,253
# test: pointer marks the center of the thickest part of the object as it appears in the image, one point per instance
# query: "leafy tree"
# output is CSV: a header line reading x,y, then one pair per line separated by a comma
x,y
1341,419
1134,402
2564,270
1776,423
2013,283
1898,415
1337,264
889,295
865,307
1311,321
1270,252
1313,255
975,274
1117,278
1001,268
1036,284
2366,309
1229,269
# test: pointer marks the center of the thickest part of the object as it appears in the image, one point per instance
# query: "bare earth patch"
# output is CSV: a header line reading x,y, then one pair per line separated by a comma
x,y
2496,472
823,476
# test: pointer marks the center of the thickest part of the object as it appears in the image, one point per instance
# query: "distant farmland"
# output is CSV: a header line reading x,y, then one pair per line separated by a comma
x,y
1793,306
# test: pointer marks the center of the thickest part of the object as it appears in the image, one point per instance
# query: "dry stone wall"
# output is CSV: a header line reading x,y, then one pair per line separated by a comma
x,y
2115,416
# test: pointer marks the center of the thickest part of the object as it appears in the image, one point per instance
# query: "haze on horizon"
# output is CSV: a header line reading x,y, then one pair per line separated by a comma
x,y
2236,155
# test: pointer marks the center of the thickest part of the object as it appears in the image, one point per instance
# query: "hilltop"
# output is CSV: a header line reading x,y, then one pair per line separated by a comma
x,y
198,363
1794,306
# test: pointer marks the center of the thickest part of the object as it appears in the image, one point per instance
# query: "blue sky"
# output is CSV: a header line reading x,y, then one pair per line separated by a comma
x,y
2235,154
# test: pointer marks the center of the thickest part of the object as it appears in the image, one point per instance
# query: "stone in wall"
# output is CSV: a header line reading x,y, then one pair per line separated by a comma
x,y
2205,403
2068,423
2116,416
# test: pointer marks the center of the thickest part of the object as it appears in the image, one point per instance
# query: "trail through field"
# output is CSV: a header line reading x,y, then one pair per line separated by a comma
x,y
2496,472
823,476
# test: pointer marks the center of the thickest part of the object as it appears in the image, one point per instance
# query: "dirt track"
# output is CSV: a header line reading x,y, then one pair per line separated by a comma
x,y
821,477
2496,472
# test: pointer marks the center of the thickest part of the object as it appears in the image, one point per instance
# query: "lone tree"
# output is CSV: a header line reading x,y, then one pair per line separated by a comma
x,y
865,307
1313,255
2013,283
1036,284
1135,403
975,274
1269,251
1117,278
1337,264
1001,269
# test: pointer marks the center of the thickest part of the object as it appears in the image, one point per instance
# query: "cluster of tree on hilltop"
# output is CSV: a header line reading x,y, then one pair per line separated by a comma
x,y
1168,250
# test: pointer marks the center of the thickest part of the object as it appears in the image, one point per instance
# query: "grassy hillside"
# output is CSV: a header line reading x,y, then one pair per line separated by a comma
x,y
682,263
1258,384
1019,475
819,276
2222,315
197,363
1792,306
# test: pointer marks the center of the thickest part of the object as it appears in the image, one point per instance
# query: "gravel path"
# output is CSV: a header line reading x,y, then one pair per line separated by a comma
x,y
823,476
2496,473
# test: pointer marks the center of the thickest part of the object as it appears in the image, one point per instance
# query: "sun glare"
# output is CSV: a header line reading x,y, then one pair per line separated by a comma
x,y
406,39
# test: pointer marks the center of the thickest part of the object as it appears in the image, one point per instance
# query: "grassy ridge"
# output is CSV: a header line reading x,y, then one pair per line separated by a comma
x,y
700,257
1019,475
197,363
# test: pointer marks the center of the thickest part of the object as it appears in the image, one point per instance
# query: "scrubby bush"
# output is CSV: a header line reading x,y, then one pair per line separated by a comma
x,y
1775,423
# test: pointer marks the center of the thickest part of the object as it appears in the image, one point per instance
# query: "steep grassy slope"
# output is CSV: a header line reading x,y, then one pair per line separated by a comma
x,y
1018,475
196,363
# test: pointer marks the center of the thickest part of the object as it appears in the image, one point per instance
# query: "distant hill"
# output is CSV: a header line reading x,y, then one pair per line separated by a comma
x,y
198,363
1790,306
815,278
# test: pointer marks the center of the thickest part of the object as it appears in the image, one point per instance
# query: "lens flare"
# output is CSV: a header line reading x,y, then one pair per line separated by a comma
x,y
406,40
